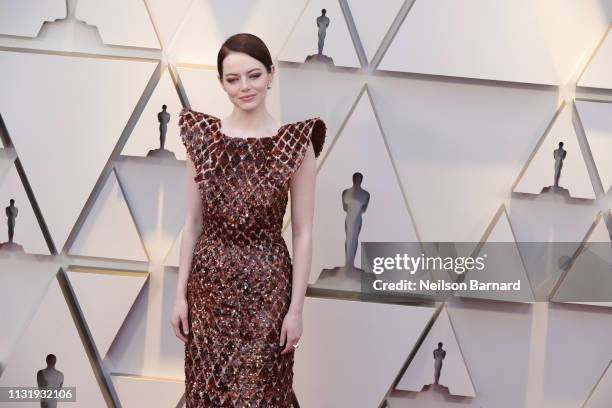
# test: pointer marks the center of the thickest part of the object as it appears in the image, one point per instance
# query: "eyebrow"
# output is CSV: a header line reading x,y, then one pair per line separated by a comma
x,y
249,71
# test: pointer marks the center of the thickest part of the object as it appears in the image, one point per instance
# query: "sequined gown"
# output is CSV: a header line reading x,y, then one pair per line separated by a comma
x,y
239,286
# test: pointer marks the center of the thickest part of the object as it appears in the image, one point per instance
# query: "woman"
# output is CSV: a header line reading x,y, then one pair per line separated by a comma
x,y
239,298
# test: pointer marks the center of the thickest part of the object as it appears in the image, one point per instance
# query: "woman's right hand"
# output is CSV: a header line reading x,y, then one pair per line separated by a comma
x,y
179,318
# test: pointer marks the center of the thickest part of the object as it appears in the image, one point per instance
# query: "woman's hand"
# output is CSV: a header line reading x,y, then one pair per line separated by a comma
x,y
291,331
179,318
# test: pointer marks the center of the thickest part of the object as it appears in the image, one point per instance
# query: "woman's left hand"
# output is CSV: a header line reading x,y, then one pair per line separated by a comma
x,y
291,331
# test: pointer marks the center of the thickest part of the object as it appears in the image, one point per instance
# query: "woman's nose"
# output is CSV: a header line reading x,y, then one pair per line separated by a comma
x,y
244,84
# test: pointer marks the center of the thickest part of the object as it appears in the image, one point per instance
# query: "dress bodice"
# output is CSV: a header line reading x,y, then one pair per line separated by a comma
x,y
244,182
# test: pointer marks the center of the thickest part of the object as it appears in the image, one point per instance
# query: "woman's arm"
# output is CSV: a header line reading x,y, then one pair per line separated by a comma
x,y
191,230
302,187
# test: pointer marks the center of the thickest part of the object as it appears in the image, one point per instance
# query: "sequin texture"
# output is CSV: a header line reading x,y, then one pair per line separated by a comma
x,y
239,286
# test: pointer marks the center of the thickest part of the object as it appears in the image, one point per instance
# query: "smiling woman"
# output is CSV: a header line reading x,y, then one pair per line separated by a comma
x,y
246,71
239,295
246,83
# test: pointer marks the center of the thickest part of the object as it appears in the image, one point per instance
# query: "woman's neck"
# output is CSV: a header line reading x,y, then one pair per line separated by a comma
x,y
242,122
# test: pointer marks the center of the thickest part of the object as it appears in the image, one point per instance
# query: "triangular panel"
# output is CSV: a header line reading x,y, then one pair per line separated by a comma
x,y
146,133
454,373
157,196
337,43
119,22
597,73
105,299
109,230
270,20
589,278
358,371
540,169
54,142
53,331
500,40
25,18
502,263
373,20
167,17
17,307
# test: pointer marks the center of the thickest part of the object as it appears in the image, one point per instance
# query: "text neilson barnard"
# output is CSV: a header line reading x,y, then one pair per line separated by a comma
x,y
423,284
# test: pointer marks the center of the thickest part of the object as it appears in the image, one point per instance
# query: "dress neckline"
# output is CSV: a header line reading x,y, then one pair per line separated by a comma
x,y
271,137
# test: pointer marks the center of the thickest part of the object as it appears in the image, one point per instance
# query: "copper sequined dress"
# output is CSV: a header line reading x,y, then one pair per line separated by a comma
x,y
239,286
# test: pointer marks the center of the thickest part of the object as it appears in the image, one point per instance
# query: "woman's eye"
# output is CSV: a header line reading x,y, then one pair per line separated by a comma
x,y
231,81
255,76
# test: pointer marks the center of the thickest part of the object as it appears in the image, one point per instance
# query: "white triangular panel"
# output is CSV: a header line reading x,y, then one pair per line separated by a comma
x,y
454,373
503,263
358,371
119,22
597,74
68,135
540,170
167,17
360,147
18,306
109,230
209,23
53,331
425,147
157,197
173,257
25,17
137,391
146,134
601,396
27,230
501,40
501,334
595,118
303,40
373,20
105,299
589,279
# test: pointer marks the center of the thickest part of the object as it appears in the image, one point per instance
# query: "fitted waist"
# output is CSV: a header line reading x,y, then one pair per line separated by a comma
x,y
243,237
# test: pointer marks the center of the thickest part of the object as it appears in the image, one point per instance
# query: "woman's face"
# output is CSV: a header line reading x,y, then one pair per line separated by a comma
x,y
245,80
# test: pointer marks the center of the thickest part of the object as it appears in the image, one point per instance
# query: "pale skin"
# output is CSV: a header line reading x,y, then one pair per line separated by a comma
x,y
242,76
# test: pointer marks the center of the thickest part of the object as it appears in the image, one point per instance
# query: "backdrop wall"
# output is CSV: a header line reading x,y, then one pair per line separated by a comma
x,y
448,110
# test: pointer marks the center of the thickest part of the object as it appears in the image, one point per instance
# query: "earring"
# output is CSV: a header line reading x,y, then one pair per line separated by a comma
x,y
269,87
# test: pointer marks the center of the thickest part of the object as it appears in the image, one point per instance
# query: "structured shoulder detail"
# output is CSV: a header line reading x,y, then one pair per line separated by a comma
x,y
292,147
191,122
316,134
194,126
